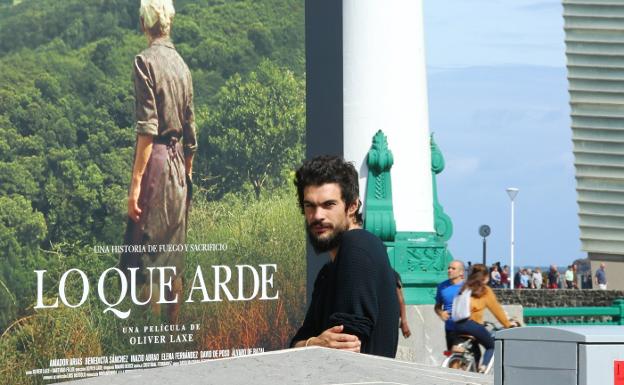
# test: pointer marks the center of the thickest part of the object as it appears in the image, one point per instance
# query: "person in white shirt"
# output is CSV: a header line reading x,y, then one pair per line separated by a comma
x,y
537,278
569,278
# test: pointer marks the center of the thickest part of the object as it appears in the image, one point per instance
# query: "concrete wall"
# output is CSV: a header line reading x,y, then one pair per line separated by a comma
x,y
426,344
558,297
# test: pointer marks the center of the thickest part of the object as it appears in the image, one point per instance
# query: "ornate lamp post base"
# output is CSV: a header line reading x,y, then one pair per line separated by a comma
x,y
419,257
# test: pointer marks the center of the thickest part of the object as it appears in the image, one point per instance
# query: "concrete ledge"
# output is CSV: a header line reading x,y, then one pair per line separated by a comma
x,y
312,365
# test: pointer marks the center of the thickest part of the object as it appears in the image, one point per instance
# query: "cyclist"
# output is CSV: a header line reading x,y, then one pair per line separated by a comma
x,y
445,293
482,297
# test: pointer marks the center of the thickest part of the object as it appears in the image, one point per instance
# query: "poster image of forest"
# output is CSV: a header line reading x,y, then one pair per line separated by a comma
x,y
66,153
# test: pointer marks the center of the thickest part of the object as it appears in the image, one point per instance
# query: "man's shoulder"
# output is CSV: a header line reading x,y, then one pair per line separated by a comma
x,y
444,284
362,247
323,274
363,240
359,235
448,283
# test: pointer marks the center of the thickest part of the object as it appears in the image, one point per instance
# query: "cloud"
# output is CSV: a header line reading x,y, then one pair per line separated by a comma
x,y
461,167
462,33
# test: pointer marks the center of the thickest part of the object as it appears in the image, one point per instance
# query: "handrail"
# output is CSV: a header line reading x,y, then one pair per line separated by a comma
x,y
616,311
570,311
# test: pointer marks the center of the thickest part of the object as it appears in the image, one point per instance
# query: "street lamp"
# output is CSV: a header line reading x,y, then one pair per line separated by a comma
x,y
512,192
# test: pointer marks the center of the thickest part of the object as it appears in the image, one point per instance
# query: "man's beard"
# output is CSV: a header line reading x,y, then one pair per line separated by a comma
x,y
321,245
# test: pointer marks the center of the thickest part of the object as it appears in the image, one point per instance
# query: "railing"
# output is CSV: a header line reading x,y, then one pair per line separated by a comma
x,y
576,315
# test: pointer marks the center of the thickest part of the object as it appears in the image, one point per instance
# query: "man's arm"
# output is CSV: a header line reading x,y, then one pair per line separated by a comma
x,y
332,338
443,314
438,308
356,303
404,325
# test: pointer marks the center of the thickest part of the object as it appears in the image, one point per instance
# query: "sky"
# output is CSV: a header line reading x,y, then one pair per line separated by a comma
x,y
498,108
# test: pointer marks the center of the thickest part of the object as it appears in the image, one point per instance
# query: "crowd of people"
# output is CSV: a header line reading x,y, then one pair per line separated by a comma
x,y
528,278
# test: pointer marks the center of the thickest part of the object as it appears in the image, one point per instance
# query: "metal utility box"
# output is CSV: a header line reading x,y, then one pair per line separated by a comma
x,y
565,355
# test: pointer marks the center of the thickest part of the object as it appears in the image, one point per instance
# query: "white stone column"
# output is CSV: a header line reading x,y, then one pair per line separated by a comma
x,y
385,88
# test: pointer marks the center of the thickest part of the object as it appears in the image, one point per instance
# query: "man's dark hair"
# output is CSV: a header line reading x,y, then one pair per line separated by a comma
x,y
330,169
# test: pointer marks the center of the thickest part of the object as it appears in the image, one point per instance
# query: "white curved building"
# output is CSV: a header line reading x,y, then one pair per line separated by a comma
x,y
595,61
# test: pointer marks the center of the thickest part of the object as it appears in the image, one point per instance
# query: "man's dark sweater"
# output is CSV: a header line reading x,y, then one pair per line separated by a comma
x,y
357,290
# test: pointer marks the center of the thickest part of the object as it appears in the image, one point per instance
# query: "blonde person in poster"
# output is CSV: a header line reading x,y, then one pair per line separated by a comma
x,y
160,189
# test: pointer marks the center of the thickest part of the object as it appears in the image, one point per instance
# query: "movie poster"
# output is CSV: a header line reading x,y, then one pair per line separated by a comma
x,y
66,154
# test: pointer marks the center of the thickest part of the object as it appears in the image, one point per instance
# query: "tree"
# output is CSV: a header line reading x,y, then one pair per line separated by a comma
x,y
21,230
256,132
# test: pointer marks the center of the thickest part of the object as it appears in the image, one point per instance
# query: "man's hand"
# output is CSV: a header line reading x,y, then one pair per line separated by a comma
x,y
334,338
443,314
405,329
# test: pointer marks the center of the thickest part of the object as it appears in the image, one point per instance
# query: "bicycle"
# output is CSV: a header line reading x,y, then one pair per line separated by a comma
x,y
464,352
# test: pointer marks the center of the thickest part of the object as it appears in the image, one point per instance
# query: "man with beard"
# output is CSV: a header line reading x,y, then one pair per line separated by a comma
x,y
354,302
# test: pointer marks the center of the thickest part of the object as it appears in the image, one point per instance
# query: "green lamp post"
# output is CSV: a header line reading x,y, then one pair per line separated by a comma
x,y
419,257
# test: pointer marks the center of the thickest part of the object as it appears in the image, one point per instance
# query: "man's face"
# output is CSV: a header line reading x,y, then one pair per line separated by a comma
x,y
327,217
454,271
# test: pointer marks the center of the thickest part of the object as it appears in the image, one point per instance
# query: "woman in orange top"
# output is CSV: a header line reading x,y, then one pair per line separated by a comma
x,y
482,297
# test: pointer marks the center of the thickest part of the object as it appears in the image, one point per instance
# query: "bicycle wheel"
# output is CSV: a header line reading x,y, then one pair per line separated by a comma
x,y
490,367
459,362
